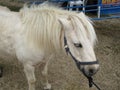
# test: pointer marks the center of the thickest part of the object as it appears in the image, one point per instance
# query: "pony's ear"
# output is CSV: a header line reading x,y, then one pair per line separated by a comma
x,y
62,21
65,22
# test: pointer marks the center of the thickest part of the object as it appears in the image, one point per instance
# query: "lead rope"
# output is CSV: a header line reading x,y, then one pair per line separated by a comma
x,y
90,79
91,83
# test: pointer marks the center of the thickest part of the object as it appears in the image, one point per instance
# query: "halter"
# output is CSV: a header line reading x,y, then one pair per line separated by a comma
x,y
78,63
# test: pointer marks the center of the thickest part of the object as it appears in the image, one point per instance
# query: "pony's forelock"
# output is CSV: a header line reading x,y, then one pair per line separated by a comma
x,y
88,26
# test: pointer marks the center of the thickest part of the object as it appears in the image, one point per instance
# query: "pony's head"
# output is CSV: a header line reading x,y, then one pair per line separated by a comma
x,y
79,40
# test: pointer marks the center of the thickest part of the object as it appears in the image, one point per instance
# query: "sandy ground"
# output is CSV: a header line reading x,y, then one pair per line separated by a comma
x,y
63,74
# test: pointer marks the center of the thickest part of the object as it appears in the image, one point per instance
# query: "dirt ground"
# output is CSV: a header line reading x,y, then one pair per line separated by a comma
x,y
63,74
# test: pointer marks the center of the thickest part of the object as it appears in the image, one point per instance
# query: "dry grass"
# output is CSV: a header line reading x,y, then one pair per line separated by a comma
x,y
14,5
63,74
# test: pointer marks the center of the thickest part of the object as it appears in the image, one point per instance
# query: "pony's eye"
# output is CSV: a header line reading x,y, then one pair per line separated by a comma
x,y
78,45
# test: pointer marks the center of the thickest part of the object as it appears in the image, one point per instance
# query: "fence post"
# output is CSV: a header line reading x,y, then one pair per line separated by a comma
x,y
84,6
99,8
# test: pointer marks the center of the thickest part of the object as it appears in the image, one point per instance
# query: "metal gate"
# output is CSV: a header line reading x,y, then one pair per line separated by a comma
x,y
102,9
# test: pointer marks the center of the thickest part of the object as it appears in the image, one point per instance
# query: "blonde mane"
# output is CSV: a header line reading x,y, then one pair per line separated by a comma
x,y
43,30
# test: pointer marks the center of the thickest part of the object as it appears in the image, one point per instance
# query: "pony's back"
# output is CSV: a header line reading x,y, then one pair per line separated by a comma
x,y
3,8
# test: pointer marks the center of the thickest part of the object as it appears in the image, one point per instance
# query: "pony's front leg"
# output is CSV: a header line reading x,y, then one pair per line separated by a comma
x,y
29,72
45,74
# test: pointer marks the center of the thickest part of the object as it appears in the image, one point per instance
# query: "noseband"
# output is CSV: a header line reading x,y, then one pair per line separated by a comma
x,y
78,63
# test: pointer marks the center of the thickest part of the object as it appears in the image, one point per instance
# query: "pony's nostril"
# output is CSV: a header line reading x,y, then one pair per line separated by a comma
x,y
88,72
91,71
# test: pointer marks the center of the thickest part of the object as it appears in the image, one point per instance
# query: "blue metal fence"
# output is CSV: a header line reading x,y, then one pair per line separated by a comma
x,y
102,10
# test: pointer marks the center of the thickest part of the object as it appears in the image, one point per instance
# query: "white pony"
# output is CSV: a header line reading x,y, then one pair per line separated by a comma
x,y
40,31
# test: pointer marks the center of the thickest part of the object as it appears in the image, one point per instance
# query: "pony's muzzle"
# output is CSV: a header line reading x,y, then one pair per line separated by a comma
x,y
90,70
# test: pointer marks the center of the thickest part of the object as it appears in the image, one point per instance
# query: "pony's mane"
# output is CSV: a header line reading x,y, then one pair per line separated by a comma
x,y
43,29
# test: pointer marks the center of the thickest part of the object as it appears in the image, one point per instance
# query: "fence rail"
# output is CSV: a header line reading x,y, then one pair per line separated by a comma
x,y
104,9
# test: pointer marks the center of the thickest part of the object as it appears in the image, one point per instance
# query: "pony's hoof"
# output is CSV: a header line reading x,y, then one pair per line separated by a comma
x,y
47,87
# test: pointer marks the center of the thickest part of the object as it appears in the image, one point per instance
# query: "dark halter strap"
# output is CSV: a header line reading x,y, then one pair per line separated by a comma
x,y
78,63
